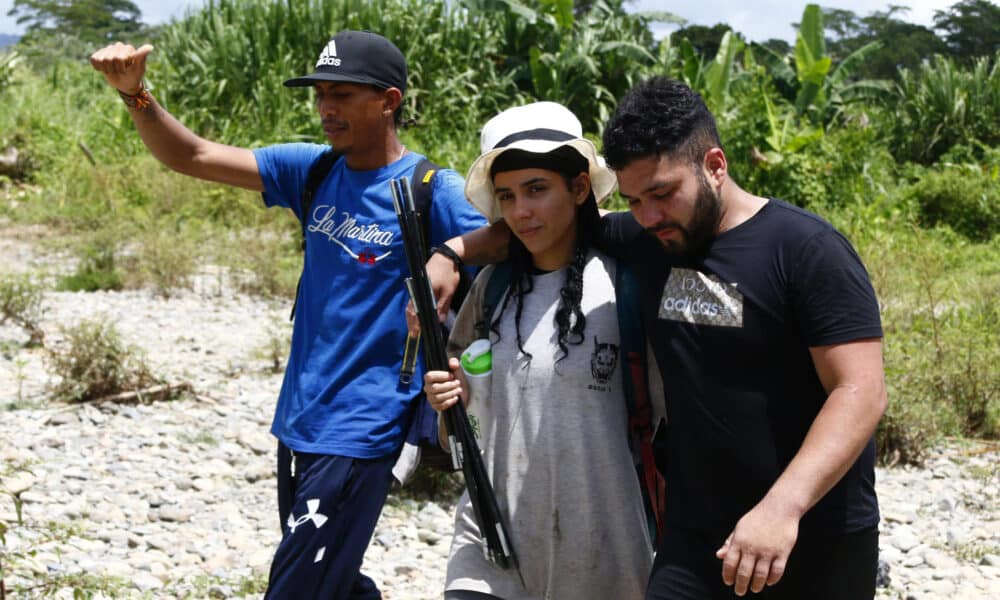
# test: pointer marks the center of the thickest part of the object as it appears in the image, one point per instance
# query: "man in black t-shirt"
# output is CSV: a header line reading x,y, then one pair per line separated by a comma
x,y
766,330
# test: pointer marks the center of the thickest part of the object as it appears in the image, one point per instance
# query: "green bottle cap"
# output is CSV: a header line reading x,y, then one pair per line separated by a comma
x,y
478,358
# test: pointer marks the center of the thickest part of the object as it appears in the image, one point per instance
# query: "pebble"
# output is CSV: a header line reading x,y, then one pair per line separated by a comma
x,y
177,499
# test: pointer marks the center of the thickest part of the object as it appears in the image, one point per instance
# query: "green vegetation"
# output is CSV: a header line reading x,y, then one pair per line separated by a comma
x,y
942,105
7,63
95,363
904,161
888,129
21,304
274,352
907,170
49,534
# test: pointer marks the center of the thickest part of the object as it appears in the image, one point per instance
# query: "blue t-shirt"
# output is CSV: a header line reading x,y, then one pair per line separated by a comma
x,y
341,393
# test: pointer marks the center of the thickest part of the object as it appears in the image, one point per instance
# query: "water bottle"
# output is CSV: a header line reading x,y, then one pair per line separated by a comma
x,y
477,363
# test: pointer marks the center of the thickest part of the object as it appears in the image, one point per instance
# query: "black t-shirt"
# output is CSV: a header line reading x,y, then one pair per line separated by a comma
x,y
731,332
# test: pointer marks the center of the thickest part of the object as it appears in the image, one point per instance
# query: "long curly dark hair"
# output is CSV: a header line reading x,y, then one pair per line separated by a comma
x,y
569,318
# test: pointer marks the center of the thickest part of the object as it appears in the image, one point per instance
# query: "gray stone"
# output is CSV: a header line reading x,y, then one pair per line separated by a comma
x,y
258,473
64,418
116,568
162,543
949,574
204,485
956,536
146,582
406,569
939,560
890,554
258,443
895,515
387,538
428,537
173,514
18,483
913,560
882,578
130,412
940,588
904,538
220,591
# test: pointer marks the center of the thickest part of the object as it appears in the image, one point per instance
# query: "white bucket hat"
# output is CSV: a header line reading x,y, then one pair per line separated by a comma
x,y
539,127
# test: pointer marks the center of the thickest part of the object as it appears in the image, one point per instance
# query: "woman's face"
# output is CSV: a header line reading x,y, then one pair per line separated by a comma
x,y
539,206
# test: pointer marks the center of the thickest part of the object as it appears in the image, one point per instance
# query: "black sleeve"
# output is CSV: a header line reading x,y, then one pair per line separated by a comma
x,y
832,295
619,233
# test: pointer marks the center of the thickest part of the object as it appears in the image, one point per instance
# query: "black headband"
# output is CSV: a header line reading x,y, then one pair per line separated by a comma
x,y
548,135
564,159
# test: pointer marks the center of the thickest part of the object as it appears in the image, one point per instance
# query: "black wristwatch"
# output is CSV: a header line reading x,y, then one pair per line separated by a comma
x,y
447,252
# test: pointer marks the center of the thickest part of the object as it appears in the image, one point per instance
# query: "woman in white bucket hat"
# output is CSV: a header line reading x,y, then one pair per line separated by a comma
x,y
551,418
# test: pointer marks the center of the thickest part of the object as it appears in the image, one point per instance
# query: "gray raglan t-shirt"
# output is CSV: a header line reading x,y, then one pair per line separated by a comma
x,y
555,442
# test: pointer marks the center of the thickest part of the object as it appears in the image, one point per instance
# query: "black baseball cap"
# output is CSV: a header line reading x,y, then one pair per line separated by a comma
x,y
358,57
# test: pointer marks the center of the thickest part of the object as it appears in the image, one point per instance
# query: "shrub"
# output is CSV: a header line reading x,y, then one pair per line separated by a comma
x,y
274,352
905,432
965,198
773,152
8,62
221,68
941,104
428,483
96,270
166,261
96,363
841,168
268,263
21,304
938,295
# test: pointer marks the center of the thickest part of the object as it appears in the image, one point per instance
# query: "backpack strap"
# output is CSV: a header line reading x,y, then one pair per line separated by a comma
x,y
423,193
495,288
318,171
423,174
640,411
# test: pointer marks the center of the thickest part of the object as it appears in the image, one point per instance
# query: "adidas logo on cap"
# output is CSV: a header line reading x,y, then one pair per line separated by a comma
x,y
367,58
329,56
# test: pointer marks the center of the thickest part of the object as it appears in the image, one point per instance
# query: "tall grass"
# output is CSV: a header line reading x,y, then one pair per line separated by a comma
x,y
222,68
941,104
939,296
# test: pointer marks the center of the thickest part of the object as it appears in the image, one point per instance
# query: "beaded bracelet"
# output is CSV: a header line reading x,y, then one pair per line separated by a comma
x,y
140,100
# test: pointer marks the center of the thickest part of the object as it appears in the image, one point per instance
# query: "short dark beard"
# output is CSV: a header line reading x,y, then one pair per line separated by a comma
x,y
698,233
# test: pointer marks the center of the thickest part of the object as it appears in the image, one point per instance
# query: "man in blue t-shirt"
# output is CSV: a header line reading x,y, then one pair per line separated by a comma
x,y
344,407
766,331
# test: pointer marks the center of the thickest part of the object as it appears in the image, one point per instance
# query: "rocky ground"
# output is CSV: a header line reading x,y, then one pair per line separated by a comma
x,y
175,499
